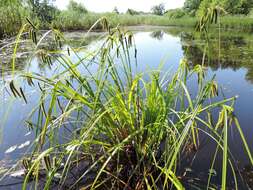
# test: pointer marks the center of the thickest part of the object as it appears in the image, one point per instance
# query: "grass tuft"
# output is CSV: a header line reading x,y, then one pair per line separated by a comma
x,y
124,131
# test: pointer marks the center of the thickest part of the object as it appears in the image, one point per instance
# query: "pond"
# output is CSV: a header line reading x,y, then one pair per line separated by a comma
x,y
229,57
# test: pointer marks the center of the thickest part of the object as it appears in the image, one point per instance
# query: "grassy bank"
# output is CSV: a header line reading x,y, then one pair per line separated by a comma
x,y
69,21
11,21
237,22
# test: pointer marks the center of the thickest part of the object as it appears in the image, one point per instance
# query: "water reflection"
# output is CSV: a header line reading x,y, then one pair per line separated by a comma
x,y
230,51
157,34
26,50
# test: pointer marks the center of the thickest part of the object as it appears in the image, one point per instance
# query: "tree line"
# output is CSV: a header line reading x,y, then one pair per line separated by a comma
x,y
197,7
44,13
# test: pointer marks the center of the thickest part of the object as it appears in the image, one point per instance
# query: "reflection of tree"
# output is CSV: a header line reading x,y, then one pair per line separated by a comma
x,y
6,66
26,54
230,52
157,34
77,42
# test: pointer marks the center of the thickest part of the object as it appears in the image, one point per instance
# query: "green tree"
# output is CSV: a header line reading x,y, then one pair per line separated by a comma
x,y
132,12
192,6
175,13
231,6
43,10
77,7
237,6
158,9
115,10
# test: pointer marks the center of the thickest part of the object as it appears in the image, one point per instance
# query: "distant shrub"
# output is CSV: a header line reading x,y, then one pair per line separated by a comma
x,y
12,18
76,7
132,12
158,9
76,17
115,10
175,13
251,13
73,20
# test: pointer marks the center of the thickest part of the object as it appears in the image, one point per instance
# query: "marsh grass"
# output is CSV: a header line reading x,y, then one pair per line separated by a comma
x,y
132,132
12,18
71,21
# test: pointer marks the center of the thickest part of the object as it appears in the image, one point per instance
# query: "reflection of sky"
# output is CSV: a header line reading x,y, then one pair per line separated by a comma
x,y
151,53
235,84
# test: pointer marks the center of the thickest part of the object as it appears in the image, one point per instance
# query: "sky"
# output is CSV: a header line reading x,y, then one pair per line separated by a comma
x,y
122,5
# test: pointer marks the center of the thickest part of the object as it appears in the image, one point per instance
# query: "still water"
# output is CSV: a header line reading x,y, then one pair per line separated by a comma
x,y
229,57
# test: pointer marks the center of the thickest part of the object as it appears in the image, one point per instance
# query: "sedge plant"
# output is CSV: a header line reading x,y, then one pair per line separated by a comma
x,y
125,129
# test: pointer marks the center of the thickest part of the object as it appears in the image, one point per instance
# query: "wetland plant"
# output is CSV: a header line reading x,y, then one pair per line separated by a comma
x,y
125,129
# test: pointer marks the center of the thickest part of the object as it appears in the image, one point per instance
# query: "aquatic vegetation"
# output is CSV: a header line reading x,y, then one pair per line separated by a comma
x,y
12,18
115,128
71,20
74,21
